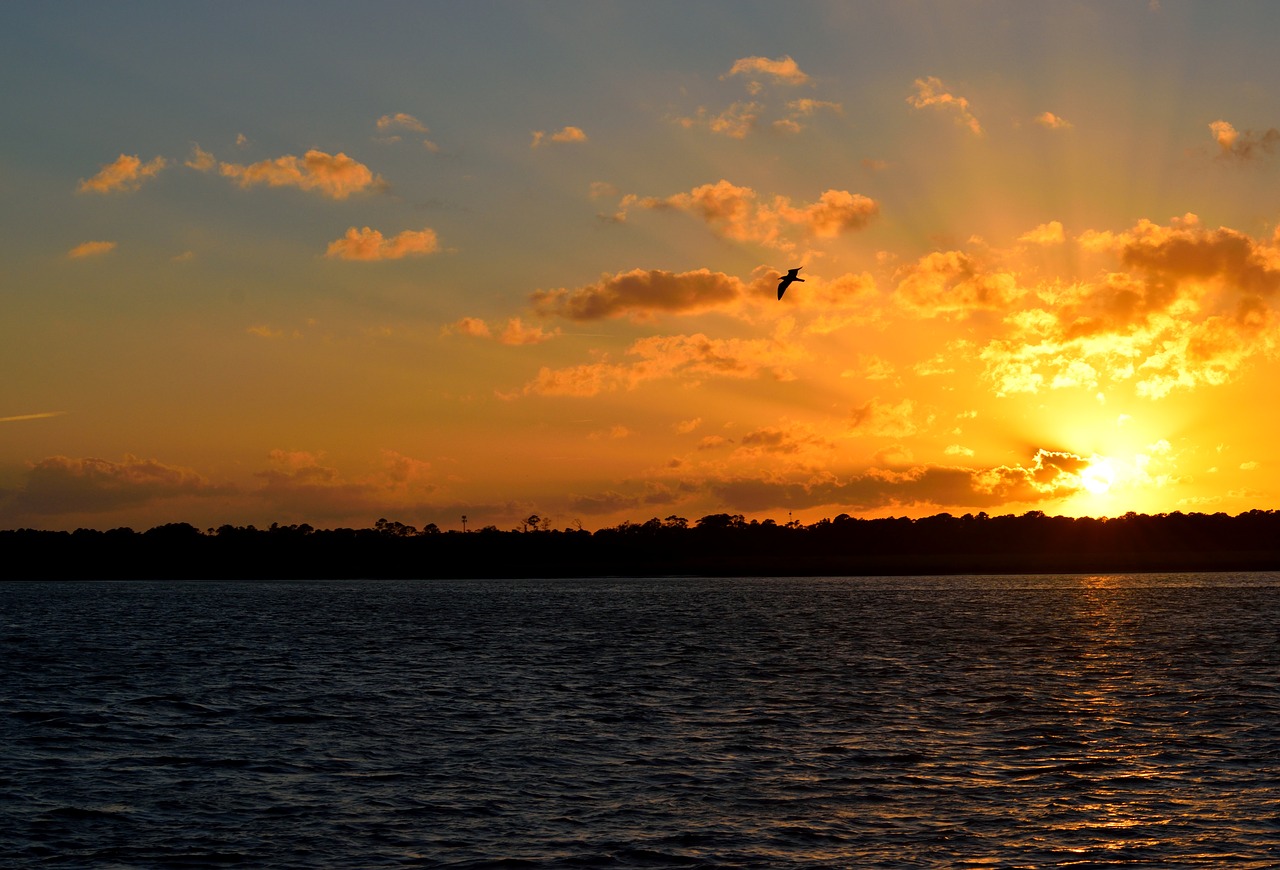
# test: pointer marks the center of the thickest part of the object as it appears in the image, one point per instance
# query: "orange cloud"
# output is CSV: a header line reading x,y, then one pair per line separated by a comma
x,y
784,69
128,172
1182,306
639,294
90,249
336,176
515,333
564,134
736,121
931,92
61,484
887,421
1045,234
1048,477
368,245
1244,146
946,282
1052,121
402,121
469,326
671,356
200,160
736,213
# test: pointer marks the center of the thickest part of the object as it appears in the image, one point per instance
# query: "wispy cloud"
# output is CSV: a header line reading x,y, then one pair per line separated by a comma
x,y
127,172
563,135
931,91
90,249
43,415
1053,122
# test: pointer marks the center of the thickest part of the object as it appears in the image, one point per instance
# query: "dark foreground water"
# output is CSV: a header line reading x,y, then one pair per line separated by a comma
x,y
1121,720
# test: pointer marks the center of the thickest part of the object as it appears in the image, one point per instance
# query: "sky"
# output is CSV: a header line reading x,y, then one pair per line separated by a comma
x,y
310,262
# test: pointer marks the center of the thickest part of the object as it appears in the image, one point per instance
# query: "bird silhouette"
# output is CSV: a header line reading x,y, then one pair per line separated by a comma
x,y
786,280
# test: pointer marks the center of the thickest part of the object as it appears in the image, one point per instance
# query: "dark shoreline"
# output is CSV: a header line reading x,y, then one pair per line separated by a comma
x,y
718,545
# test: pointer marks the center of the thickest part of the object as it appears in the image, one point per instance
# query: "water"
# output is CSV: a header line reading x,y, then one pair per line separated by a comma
x,y
870,722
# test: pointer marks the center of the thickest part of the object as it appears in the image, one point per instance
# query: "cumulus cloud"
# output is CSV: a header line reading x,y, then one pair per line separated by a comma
x,y
784,69
1249,145
737,212
128,172
369,244
639,294
64,485
90,249
564,134
931,91
1181,306
666,356
953,282
336,176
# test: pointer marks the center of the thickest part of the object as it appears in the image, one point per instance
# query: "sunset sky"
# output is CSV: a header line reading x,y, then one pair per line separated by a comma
x,y
324,263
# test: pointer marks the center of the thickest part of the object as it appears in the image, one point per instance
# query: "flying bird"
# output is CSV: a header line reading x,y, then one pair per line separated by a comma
x,y
785,281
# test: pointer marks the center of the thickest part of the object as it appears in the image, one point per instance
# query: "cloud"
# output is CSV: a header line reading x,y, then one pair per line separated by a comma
x,y
564,134
784,69
367,244
736,212
669,356
1052,121
736,121
470,326
931,91
1049,476
200,160
1180,306
128,172
1045,234
953,282
883,420
63,485
515,332
90,249
336,176
401,121
640,293
43,415
1244,146
684,427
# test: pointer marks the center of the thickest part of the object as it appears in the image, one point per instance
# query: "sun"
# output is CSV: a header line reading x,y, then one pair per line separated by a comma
x,y
1098,475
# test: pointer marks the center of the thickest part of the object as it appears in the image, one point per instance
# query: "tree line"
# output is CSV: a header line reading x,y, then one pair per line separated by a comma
x,y
714,545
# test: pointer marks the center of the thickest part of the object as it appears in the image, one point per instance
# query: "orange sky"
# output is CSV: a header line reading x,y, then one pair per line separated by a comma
x,y
503,259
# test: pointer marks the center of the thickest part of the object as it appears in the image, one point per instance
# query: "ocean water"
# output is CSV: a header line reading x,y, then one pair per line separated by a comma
x,y
1082,721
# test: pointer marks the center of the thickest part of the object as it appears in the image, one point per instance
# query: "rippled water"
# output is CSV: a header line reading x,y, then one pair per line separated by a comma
x,y
870,722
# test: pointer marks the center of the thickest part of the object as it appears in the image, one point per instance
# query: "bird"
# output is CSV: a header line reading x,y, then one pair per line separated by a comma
x,y
785,281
